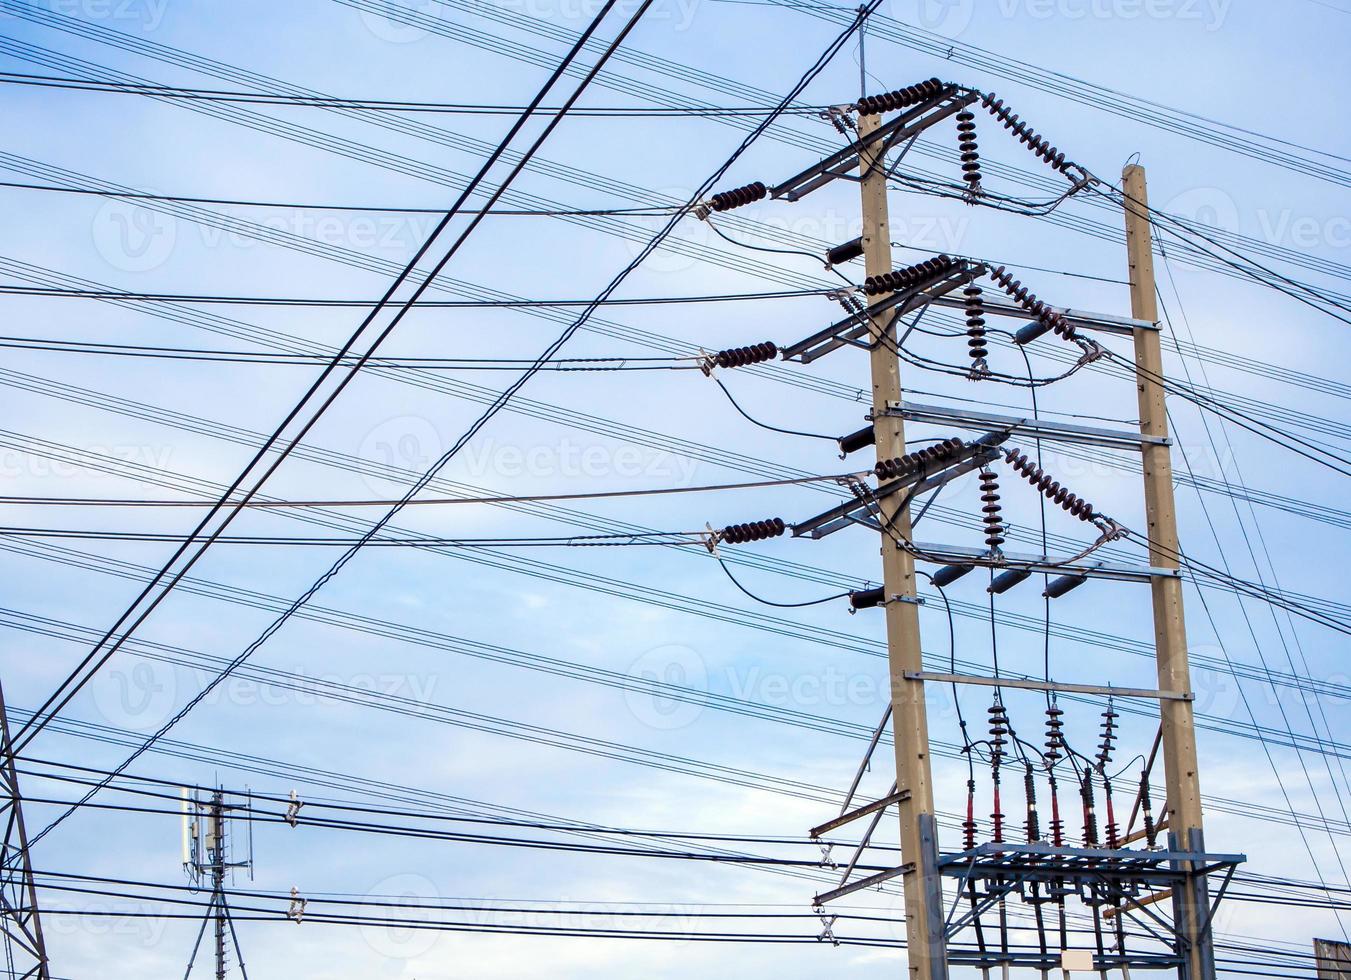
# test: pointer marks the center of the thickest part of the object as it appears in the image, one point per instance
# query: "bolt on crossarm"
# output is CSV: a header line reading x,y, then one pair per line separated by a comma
x,y
926,946
1192,905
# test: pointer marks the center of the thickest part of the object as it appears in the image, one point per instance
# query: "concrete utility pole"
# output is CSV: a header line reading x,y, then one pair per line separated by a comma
x,y
1170,632
926,948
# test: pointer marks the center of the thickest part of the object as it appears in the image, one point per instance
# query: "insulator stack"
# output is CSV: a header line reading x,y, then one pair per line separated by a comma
x,y
1108,743
969,824
742,356
999,728
1090,813
973,297
991,508
1054,492
909,277
1030,792
1147,811
918,461
1025,133
966,145
754,531
1048,318
738,197
873,105
1055,741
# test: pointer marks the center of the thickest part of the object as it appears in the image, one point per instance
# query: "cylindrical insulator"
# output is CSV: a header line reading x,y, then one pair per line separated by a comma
x,y
1030,792
738,196
754,531
846,252
989,496
1058,586
1113,837
921,460
1106,746
742,356
855,441
910,277
872,105
1006,580
948,574
997,817
1147,811
1053,491
1025,134
966,145
867,598
1055,739
1057,824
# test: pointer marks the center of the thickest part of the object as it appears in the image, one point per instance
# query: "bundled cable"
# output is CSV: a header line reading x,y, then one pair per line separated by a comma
x,y
901,98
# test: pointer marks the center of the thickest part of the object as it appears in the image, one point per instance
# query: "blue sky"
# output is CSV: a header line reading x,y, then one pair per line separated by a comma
x,y
573,432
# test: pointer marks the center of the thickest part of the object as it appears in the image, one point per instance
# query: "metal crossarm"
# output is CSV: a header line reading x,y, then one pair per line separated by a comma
x,y
1079,319
1023,424
908,124
854,328
946,554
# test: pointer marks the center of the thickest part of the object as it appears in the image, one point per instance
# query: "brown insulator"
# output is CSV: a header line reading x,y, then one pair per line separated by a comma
x,y
872,105
754,531
1030,793
1047,317
1025,133
973,297
966,145
910,277
738,196
742,356
989,496
1054,492
921,460
969,824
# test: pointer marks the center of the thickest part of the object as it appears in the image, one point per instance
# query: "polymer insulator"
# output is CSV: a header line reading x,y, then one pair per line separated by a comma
x,y
738,196
989,496
1047,319
872,105
999,728
845,252
1061,584
948,574
1030,793
973,297
1090,813
754,531
920,460
1025,133
1112,834
1057,823
1053,491
966,145
742,356
969,824
1147,811
911,276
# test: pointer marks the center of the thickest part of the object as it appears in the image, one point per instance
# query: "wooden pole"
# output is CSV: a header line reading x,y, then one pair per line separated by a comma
x,y
926,948
1183,812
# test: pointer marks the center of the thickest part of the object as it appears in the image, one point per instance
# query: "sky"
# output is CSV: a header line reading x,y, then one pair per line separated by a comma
x,y
518,682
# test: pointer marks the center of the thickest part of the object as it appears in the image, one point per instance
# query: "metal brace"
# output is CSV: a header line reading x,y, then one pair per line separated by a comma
x,y
828,933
